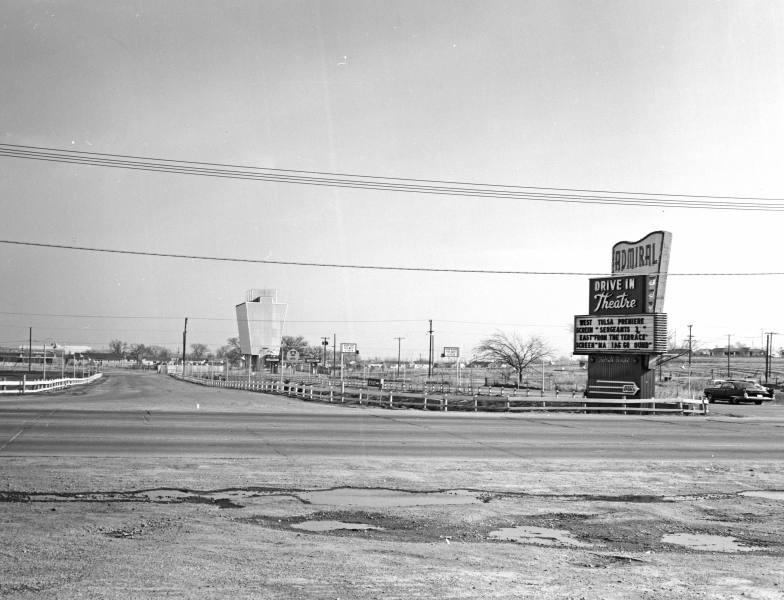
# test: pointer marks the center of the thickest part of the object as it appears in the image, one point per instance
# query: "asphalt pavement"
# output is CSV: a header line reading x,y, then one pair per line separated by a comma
x,y
144,414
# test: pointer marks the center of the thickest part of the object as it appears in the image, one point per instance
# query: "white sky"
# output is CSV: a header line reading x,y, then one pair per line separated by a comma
x,y
676,97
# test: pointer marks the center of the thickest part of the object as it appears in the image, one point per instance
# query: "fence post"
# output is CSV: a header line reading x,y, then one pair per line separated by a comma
x,y
475,403
424,399
360,396
391,403
446,403
342,391
330,392
24,383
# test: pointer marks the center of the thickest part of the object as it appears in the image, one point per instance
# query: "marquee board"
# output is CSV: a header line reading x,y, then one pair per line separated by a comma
x,y
620,334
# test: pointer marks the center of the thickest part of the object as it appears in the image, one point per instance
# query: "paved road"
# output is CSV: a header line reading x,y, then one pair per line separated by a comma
x,y
148,415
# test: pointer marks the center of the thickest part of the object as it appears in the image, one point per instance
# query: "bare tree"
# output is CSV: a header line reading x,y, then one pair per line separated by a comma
x,y
138,352
231,351
290,342
118,347
198,351
159,353
512,351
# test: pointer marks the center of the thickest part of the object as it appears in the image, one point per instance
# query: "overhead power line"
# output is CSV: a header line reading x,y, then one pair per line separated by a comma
x,y
288,321
364,267
285,262
179,318
392,184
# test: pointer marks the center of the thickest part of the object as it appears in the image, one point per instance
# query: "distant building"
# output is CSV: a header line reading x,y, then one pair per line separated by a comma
x,y
260,321
738,351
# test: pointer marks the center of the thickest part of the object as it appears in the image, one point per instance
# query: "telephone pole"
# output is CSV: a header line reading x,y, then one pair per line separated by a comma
x,y
768,355
398,354
30,352
728,356
184,337
430,354
325,343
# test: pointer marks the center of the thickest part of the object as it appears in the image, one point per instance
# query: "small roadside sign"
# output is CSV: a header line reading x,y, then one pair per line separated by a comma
x,y
292,355
614,388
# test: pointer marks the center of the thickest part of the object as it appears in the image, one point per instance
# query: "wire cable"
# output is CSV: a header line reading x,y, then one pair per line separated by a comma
x,y
365,267
287,262
394,184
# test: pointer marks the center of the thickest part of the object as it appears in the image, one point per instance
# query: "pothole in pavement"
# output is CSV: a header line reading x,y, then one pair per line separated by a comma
x,y
383,498
538,536
332,525
460,516
767,494
708,543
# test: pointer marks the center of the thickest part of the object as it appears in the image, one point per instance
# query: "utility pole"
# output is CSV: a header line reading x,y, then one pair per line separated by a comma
x,y
430,354
728,356
398,354
768,356
325,343
334,350
184,338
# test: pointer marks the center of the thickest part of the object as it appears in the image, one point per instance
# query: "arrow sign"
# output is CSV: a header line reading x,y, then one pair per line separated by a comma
x,y
616,388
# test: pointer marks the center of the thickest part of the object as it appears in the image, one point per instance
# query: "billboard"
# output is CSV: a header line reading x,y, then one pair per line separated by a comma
x,y
348,348
451,352
620,334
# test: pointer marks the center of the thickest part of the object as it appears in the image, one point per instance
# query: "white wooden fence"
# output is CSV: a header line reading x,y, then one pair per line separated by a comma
x,y
343,394
33,386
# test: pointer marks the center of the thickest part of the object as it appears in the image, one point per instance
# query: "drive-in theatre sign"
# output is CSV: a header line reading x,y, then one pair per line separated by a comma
x,y
625,324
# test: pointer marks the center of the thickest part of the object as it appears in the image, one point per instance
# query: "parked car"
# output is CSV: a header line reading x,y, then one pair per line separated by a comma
x,y
736,391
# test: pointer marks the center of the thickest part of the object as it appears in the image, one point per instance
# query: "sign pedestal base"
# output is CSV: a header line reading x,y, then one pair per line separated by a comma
x,y
620,376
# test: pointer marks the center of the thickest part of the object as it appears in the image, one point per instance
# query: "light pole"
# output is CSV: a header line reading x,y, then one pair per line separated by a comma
x,y
398,354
